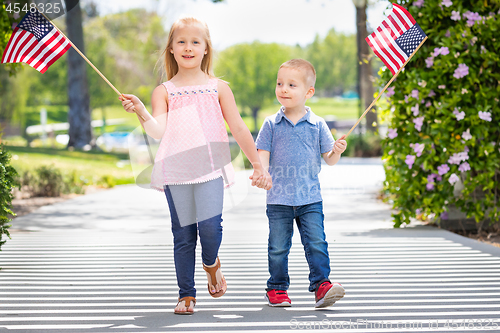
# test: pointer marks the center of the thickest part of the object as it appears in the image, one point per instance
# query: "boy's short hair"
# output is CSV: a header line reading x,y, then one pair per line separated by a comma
x,y
306,66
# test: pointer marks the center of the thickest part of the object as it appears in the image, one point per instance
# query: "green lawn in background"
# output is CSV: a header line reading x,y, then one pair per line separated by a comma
x,y
323,107
55,114
91,166
340,108
59,114
117,112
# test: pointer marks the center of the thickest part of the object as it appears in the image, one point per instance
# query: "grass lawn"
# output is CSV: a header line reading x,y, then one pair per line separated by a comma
x,y
340,108
92,166
88,166
59,114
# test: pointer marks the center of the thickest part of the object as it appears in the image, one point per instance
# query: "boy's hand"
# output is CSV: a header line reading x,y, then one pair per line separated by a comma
x,y
267,181
340,145
261,178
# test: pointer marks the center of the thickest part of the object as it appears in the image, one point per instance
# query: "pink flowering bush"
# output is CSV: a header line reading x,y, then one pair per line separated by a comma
x,y
443,147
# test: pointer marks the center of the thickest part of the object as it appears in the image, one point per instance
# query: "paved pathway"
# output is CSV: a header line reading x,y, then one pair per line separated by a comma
x,y
103,263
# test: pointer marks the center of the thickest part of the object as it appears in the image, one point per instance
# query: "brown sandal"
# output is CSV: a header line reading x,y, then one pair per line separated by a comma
x,y
187,303
212,277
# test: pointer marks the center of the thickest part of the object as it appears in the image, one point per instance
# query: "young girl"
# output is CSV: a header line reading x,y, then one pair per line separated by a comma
x,y
193,162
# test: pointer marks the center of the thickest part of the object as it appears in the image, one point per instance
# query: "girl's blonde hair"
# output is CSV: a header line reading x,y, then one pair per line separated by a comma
x,y
170,65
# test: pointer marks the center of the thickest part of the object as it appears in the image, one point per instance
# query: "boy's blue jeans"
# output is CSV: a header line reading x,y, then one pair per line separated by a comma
x,y
309,219
185,237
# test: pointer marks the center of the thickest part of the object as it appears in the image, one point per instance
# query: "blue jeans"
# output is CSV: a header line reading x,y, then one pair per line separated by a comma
x,y
185,237
309,219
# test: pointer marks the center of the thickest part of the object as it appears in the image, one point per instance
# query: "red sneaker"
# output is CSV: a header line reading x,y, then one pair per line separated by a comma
x,y
328,293
278,298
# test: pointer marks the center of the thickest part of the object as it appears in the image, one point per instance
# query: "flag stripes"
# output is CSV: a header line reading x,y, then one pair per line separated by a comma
x,y
383,41
28,45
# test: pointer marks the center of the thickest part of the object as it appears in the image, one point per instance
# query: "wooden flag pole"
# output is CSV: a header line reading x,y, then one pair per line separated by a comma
x,y
87,60
386,86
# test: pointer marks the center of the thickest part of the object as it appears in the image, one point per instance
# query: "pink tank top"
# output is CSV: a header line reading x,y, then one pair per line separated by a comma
x,y
195,146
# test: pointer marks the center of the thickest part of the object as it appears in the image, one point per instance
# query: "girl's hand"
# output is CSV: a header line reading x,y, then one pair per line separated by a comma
x,y
131,103
340,145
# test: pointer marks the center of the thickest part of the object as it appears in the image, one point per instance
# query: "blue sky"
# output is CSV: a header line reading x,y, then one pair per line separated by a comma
x,y
236,21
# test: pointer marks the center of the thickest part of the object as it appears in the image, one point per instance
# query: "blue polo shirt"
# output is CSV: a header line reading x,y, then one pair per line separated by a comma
x,y
295,159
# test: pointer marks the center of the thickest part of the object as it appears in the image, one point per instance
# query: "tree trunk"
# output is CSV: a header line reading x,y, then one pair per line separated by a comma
x,y
80,130
255,113
365,69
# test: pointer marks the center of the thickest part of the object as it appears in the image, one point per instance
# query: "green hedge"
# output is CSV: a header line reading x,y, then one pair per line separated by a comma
x,y
442,149
7,183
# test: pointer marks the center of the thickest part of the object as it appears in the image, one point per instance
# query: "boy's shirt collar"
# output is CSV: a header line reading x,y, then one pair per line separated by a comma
x,y
307,116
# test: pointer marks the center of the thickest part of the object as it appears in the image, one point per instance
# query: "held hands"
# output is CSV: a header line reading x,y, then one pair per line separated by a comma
x,y
261,178
339,146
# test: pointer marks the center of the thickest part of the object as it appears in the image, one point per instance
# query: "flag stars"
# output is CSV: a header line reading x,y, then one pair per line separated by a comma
x,y
36,24
26,43
410,40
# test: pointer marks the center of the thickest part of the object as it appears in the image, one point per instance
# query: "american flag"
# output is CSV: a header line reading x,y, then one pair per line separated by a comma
x,y
36,42
396,38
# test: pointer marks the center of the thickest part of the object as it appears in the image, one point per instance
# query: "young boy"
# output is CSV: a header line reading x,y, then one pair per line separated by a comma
x,y
290,145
